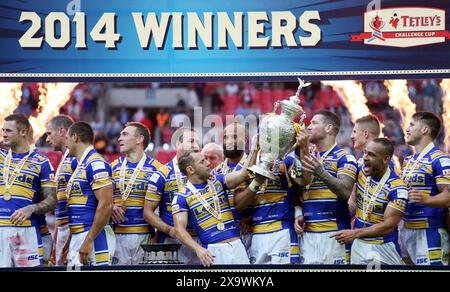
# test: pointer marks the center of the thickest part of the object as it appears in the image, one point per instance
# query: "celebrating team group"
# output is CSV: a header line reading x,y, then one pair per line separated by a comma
x,y
323,207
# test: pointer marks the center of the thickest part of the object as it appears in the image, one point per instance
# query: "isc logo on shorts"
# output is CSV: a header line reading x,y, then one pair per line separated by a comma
x,y
421,261
283,254
33,257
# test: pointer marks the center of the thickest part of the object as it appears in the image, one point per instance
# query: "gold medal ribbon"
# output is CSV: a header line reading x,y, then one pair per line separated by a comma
x,y
58,170
125,192
79,166
216,212
407,174
177,174
368,204
9,180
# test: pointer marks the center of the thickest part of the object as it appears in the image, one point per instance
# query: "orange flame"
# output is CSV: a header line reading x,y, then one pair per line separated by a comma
x,y
445,85
11,94
53,96
399,100
352,95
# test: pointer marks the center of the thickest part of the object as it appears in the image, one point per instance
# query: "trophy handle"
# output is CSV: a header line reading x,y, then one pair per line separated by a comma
x,y
276,105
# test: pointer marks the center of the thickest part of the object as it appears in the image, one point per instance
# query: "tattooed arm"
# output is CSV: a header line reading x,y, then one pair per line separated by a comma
x,y
46,205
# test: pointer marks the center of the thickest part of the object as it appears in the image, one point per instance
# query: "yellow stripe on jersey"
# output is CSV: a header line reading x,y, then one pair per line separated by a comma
x,y
101,183
7,223
269,198
131,229
19,191
371,217
41,251
78,200
295,249
321,194
416,224
48,184
62,221
269,227
76,228
132,202
443,180
321,226
226,216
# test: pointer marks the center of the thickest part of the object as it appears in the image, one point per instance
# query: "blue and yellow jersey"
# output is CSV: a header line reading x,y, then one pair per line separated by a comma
x,y
273,210
134,205
67,168
394,194
324,211
226,169
94,174
433,170
36,173
162,188
203,222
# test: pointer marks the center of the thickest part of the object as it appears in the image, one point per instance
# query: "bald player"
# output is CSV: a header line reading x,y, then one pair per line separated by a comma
x,y
214,154
381,202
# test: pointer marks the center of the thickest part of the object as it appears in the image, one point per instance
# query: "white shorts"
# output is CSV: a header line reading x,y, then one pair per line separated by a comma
x,y
19,247
426,246
47,244
62,236
185,254
102,249
128,249
320,249
364,253
271,248
229,253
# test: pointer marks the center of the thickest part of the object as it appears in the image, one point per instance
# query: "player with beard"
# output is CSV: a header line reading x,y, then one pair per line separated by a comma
x,y
325,198
234,142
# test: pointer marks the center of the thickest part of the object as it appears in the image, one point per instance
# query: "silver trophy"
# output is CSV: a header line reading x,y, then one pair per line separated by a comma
x,y
277,133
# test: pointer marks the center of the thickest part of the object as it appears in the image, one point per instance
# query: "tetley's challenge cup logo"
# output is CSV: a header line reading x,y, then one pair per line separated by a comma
x,y
403,27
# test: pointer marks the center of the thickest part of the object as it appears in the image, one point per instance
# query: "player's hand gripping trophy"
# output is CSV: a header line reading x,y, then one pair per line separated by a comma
x,y
277,133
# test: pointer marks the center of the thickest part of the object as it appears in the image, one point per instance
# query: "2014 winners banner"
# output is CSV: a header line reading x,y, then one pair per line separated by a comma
x,y
170,40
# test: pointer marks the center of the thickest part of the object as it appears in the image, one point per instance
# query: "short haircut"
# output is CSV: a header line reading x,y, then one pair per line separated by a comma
x,y
181,132
430,120
141,129
216,147
21,120
372,124
331,118
388,146
84,131
186,160
61,121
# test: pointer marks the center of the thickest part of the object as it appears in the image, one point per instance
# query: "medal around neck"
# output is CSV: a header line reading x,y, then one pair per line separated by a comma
x,y
277,133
